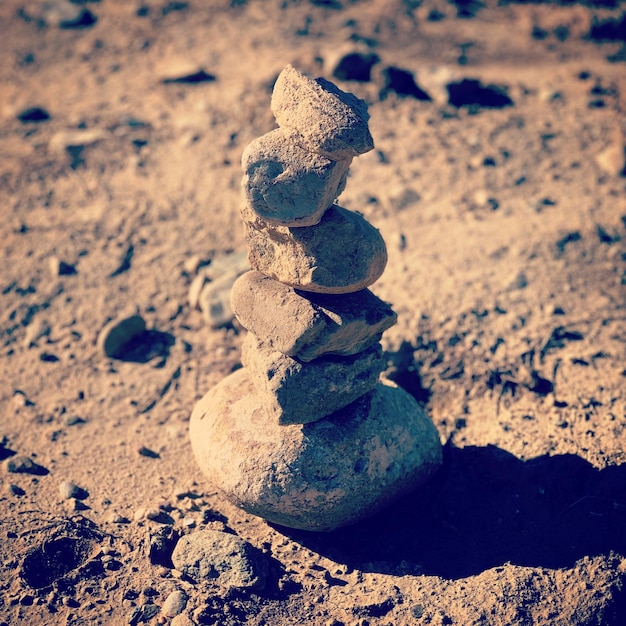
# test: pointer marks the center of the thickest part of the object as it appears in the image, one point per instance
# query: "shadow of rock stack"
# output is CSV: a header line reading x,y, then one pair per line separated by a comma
x,y
306,435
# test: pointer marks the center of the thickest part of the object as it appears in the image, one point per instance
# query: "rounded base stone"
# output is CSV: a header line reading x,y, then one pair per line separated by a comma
x,y
316,476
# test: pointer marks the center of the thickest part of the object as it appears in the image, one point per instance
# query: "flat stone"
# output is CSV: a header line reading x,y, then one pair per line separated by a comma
x,y
225,558
306,325
293,392
317,476
320,117
341,254
284,184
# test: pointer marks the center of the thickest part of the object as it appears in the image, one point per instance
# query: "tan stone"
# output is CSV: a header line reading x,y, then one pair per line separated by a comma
x,y
285,184
317,476
293,392
306,325
341,254
321,117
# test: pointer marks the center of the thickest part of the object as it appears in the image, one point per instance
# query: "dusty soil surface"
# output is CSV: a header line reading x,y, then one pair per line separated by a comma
x,y
498,184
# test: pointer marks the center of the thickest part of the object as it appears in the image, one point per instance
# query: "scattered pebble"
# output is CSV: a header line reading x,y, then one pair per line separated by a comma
x,y
219,556
35,331
73,505
15,490
74,420
143,451
61,268
64,139
118,333
25,465
34,114
68,489
175,603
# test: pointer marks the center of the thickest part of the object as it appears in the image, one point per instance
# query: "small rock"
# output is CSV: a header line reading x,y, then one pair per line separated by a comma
x,y
519,281
161,543
73,505
341,254
182,620
175,603
15,490
116,518
214,300
210,289
68,489
287,185
151,454
195,289
320,117
192,264
61,268
316,476
219,556
33,114
613,158
61,141
295,393
356,66
36,330
25,465
118,333
233,263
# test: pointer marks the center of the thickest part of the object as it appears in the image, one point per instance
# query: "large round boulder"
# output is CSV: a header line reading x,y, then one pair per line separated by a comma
x,y
317,476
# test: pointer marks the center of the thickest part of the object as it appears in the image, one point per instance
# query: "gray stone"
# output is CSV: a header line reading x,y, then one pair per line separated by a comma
x,y
297,393
286,185
214,301
321,117
118,333
306,325
210,289
68,489
175,603
341,254
20,464
317,476
222,557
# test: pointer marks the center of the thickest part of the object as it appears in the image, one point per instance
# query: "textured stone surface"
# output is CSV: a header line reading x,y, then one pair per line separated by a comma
x,y
284,184
222,557
320,116
296,393
306,325
317,476
341,254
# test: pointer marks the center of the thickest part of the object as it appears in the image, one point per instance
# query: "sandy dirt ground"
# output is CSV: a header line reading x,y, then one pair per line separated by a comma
x,y
498,182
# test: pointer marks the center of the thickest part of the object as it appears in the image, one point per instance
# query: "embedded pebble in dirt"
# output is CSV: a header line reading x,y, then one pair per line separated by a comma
x,y
210,555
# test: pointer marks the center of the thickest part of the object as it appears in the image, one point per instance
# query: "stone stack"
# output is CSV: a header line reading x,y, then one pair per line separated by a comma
x,y
305,435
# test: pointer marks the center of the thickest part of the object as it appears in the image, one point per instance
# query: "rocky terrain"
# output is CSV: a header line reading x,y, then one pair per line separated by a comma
x,y
498,183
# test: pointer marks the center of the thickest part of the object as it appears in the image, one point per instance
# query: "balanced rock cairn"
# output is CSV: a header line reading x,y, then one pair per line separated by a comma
x,y
305,435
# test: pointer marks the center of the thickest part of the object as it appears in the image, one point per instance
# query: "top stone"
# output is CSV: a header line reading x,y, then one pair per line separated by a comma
x,y
320,117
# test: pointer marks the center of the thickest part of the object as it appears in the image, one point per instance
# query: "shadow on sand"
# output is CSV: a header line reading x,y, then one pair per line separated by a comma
x,y
486,508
